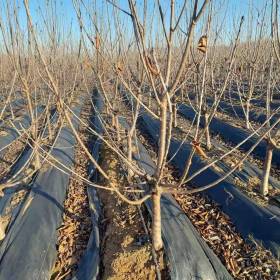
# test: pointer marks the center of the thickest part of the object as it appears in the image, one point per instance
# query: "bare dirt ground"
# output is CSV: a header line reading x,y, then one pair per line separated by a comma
x,y
126,251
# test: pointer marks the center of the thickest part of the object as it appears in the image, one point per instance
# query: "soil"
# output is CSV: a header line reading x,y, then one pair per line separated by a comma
x,y
126,248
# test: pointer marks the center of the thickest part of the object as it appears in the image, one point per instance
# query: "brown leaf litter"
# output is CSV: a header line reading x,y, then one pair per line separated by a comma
x,y
244,260
75,230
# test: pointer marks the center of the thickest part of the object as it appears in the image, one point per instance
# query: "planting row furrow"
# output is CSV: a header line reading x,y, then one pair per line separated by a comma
x,y
233,135
78,235
186,251
28,251
258,221
243,258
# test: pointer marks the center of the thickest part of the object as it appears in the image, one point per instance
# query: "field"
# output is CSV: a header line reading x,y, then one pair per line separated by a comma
x,y
139,140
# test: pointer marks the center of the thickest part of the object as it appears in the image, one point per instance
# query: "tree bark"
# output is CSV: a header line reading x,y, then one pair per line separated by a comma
x,y
266,170
207,132
247,114
174,115
129,155
156,223
162,137
118,129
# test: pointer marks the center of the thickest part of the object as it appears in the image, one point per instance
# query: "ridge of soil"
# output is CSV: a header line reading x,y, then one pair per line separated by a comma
x,y
126,249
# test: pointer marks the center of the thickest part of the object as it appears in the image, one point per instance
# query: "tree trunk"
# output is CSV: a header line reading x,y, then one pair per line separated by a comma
x,y
247,114
156,223
266,170
49,125
182,96
118,128
113,120
37,159
207,132
162,137
129,154
174,115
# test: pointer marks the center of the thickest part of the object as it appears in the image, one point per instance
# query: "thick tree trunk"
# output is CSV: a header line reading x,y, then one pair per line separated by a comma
x,y
156,223
266,170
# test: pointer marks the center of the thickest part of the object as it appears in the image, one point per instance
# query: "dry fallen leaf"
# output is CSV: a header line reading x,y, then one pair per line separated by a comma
x,y
151,66
119,66
4,221
199,150
3,133
202,44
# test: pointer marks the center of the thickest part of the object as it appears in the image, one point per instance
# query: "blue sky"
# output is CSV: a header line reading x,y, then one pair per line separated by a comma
x,y
228,10
234,8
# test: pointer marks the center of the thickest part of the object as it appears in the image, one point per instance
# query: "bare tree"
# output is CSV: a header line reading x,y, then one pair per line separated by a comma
x,y
126,51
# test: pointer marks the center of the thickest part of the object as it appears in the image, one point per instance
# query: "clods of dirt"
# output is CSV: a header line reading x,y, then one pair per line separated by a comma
x,y
126,250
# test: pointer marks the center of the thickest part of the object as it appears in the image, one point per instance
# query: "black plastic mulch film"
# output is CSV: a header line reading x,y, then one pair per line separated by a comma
x,y
29,248
188,254
28,251
88,267
233,135
248,217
